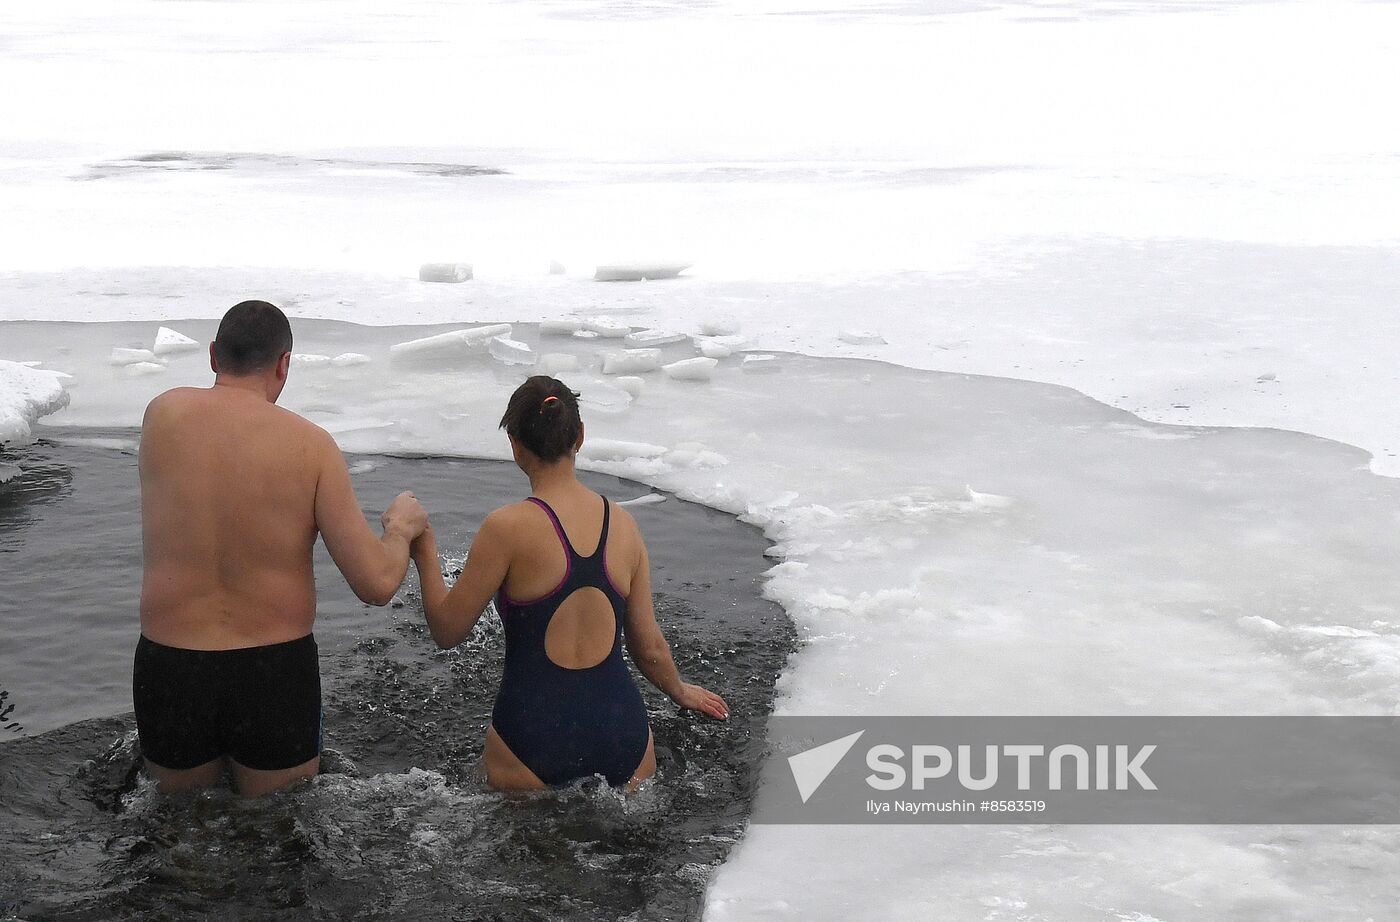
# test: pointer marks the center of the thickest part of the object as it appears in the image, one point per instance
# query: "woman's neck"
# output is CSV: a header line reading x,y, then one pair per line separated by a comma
x,y
553,478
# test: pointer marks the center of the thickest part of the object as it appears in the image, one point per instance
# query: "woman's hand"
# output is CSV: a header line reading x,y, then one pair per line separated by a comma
x,y
425,545
696,698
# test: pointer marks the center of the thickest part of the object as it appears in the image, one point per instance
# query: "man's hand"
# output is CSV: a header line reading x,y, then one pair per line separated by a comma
x,y
405,516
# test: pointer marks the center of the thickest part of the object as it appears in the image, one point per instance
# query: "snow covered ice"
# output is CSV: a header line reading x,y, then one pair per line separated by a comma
x,y
26,394
1167,241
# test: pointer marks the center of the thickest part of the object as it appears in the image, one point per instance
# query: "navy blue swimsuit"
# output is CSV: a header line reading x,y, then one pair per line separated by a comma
x,y
569,723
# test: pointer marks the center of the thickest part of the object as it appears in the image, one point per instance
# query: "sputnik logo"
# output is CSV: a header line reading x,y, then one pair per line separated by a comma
x,y
812,766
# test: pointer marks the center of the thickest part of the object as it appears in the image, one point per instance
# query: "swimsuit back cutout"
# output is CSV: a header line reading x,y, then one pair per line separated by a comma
x,y
568,707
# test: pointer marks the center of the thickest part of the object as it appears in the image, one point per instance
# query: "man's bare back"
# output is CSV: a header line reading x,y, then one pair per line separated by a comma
x,y
228,490
234,491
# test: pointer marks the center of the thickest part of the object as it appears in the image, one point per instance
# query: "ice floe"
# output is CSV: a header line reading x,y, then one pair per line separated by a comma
x,y
451,345
654,338
631,361
169,342
760,364
697,369
123,356
606,327
511,351
636,272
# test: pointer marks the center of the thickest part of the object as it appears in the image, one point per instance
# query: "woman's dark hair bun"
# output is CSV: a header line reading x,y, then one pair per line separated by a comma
x,y
542,415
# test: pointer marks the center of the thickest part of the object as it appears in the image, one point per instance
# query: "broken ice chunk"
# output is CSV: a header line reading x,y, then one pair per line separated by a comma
x,y
631,385
646,499
444,272
143,368
712,349
760,363
310,360
511,351
346,359
987,500
635,272
608,329
556,267
719,326
631,361
698,369
453,344
168,341
560,327
122,356
653,338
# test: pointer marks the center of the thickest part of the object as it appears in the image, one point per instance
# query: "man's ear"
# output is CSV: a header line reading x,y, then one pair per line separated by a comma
x,y
213,362
284,365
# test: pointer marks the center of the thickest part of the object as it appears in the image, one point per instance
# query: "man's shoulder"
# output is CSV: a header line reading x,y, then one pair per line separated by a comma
x,y
173,403
176,396
299,430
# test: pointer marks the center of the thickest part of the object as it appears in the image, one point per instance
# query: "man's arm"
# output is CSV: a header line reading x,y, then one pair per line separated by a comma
x,y
452,615
374,567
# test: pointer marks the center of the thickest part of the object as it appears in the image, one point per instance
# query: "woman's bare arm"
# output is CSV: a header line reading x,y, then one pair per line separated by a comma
x,y
649,650
451,615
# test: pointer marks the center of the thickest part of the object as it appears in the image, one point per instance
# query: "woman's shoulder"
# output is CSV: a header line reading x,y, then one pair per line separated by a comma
x,y
512,513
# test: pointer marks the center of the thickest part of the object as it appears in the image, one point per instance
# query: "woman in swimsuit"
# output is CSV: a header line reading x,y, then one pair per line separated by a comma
x,y
572,580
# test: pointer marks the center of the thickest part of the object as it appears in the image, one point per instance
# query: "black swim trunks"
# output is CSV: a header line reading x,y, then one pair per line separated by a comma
x,y
260,706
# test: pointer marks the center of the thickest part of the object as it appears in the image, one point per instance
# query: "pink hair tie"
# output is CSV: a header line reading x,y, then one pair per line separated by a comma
x,y
547,402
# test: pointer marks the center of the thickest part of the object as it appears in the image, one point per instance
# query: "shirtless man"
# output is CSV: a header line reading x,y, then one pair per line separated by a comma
x,y
234,491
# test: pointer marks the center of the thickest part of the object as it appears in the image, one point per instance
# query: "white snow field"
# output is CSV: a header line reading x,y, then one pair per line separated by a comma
x,y
1148,220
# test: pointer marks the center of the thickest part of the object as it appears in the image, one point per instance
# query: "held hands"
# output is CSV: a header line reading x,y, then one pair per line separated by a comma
x,y
696,698
424,547
405,515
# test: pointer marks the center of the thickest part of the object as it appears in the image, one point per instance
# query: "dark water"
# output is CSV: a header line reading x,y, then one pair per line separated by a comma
x,y
398,825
